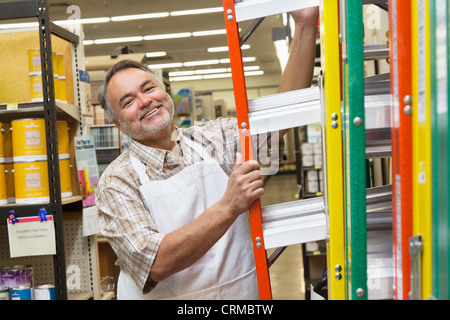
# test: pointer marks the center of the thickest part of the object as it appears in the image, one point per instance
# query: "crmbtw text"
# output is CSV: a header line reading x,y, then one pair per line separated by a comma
x,y
227,309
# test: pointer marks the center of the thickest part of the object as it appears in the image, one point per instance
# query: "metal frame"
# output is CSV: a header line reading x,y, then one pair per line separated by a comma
x,y
354,148
38,9
332,144
400,57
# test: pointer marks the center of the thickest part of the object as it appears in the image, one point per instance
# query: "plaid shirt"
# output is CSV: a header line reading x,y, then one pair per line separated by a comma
x,y
124,216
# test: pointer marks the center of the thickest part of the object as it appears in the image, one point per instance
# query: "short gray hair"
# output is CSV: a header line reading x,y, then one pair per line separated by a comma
x,y
121,65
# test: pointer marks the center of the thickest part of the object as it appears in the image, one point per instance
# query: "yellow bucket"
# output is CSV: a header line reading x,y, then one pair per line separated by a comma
x,y
65,175
34,62
63,139
10,182
36,88
28,138
31,182
7,142
3,193
2,142
60,80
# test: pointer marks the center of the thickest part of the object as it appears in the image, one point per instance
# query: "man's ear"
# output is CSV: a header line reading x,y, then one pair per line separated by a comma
x,y
117,123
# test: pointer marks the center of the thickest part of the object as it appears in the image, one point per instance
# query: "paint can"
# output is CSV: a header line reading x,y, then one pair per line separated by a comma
x,y
7,142
3,185
65,175
45,292
60,79
31,182
28,139
9,173
34,62
4,293
63,139
20,293
2,142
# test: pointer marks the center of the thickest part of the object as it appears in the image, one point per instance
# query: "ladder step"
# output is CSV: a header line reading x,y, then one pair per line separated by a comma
x,y
377,111
252,9
375,51
293,222
284,110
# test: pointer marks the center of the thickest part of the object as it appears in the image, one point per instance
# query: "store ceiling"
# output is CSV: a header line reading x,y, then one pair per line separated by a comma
x,y
98,56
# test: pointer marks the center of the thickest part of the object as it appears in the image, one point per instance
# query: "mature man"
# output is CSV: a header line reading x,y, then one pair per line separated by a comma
x,y
173,206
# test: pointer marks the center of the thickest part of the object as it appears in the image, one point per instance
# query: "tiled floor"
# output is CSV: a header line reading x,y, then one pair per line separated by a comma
x,y
286,274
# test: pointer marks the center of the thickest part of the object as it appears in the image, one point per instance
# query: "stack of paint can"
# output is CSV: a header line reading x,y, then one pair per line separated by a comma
x,y
3,194
16,283
29,155
35,72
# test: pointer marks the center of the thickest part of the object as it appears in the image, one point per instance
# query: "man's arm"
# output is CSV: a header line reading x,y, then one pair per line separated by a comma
x,y
300,66
183,247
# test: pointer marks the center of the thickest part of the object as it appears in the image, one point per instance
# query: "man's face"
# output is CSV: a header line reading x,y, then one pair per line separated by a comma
x,y
144,110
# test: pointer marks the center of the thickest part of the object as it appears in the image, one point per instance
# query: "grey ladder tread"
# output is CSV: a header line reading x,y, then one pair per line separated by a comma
x,y
284,110
376,51
253,9
293,222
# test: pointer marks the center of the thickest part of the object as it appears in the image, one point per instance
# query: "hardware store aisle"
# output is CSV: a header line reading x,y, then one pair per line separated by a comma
x,y
286,274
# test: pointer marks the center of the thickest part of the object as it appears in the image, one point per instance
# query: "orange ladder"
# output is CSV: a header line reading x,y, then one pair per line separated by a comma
x,y
283,224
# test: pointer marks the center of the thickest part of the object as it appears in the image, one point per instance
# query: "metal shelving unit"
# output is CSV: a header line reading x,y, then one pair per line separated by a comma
x,y
81,250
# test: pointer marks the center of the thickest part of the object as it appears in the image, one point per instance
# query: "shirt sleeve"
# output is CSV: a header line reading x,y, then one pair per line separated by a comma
x,y
126,223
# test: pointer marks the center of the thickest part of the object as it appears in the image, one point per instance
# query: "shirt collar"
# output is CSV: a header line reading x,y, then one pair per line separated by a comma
x,y
152,155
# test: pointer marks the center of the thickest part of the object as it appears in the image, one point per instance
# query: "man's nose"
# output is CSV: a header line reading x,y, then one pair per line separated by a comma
x,y
144,100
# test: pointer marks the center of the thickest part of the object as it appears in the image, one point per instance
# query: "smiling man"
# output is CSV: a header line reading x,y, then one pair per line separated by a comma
x,y
173,207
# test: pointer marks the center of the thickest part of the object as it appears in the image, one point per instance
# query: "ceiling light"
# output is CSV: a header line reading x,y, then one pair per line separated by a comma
x,y
196,11
181,73
244,59
155,54
140,16
82,21
209,32
209,71
282,51
19,25
201,62
168,36
118,40
225,48
165,65
217,76
88,42
187,78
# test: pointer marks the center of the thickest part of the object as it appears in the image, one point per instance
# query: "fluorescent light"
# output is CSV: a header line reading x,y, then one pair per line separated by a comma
x,y
217,76
88,42
245,59
19,25
254,73
118,40
282,51
82,21
225,48
187,78
168,36
209,32
200,63
140,16
155,54
165,65
209,71
196,11
181,73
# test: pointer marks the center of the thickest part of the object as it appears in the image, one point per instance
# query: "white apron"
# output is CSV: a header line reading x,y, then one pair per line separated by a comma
x,y
227,270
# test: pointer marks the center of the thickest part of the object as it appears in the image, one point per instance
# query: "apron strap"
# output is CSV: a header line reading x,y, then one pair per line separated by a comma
x,y
140,169
199,149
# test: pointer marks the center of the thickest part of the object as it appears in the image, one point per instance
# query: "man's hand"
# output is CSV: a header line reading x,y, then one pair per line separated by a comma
x,y
244,186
